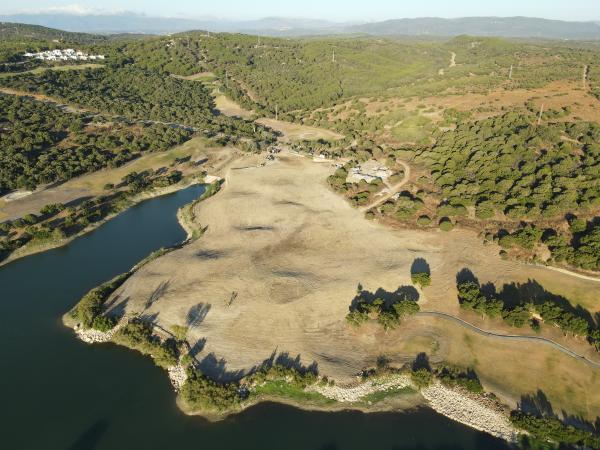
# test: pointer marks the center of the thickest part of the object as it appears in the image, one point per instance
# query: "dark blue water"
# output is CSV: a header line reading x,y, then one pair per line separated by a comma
x,y
59,393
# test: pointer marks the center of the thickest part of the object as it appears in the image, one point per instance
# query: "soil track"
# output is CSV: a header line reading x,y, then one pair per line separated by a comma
x,y
517,337
391,190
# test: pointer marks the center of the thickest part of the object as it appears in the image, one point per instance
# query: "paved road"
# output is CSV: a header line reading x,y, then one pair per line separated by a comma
x,y
513,337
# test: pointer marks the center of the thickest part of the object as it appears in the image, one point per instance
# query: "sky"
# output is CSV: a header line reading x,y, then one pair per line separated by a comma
x,y
333,10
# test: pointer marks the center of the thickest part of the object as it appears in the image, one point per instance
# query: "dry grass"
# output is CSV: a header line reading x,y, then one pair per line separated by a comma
x,y
93,184
293,131
515,369
39,70
231,108
294,253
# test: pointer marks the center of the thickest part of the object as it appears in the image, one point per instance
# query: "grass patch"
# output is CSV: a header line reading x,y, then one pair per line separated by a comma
x,y
379,396
285,389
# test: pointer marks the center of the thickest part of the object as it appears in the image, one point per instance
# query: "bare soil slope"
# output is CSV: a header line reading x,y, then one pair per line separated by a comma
x,y
280,264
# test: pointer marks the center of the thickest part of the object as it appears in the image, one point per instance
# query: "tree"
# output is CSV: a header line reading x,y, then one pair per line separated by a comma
x,y
422,279
421,378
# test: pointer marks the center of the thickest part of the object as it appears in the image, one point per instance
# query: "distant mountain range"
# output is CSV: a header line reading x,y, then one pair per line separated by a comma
x,y
521,27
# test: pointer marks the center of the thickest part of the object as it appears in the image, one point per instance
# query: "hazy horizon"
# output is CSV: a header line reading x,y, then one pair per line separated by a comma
x,y
333,11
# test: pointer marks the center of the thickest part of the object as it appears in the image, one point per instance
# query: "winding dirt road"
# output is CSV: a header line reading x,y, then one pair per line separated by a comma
x,y
392,190
513,337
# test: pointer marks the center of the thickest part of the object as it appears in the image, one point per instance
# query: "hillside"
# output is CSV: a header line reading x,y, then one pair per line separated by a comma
x,y
18,31
522,27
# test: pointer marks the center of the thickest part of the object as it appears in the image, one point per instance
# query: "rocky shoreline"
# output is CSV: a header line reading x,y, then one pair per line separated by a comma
x,y
474,411
356,393
177,373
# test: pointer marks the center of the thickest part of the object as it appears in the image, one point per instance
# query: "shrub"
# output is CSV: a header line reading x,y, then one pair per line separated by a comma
x,y
200,393
552,429
421,378
137,335
446,224
103,323
91,303
423,279
423,221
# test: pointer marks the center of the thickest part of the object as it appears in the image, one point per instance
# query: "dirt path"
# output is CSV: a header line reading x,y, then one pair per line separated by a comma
x,y
452,60
393,190
569,272
550,342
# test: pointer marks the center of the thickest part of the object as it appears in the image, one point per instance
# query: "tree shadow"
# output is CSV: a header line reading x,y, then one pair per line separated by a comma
x,y
403,293
197,348
538,405
421,362
420,265
216,369
517,294
90,438
117,310
156,295
465,276
150,318
530,292
196,314
285,360
208,255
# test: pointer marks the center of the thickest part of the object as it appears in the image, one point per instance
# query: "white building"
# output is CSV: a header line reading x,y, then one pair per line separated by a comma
x,y
62,55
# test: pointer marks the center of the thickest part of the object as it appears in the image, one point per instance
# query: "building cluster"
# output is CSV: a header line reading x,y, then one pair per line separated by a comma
x,y
67,54
368,171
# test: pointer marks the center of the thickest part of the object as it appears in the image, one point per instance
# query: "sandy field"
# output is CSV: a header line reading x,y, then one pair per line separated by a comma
x,y
281,261
231,108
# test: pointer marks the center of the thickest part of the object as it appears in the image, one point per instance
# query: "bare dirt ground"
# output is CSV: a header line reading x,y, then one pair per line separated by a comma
x,y
200,76
294,131
231,108
281,261
290,131
554,96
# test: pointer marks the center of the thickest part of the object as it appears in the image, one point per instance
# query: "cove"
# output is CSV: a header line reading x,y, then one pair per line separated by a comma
x,y
60,393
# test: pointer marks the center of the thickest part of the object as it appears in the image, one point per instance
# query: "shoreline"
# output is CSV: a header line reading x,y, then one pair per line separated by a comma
x,y
401,394
28,250
475,411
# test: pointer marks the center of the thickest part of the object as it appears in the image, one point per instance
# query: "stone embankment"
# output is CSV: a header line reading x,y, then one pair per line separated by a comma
x,y
355,393
92,336
178,376
476,414
472,410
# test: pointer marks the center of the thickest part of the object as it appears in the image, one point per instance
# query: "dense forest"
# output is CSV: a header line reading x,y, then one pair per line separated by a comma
x,y
41,143
139,94
302,75
127,91
508,164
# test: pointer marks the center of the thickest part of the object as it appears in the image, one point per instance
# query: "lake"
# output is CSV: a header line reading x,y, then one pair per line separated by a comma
x,y
60,393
